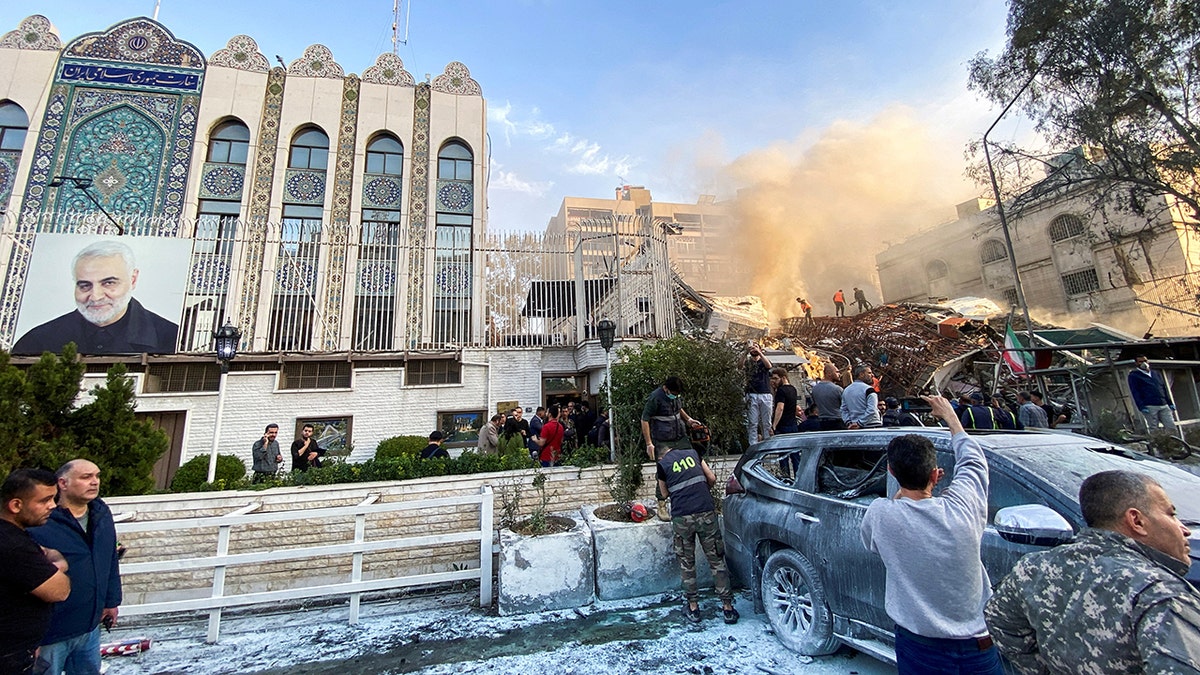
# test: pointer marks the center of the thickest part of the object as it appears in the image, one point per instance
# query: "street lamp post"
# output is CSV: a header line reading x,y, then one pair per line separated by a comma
x,y
607,330
82,184
226,340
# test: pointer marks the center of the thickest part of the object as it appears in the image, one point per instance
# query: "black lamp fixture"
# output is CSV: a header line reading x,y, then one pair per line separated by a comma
x,y
607,331
227,339
82,184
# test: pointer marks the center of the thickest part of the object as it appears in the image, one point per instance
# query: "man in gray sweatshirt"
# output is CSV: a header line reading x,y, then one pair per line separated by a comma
x,y
936,583
860,401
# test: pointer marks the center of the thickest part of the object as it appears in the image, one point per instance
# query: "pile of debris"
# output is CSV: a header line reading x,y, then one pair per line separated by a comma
x,y
912,348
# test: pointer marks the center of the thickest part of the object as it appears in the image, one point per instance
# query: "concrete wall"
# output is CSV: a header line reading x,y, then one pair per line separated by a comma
x,y
568,489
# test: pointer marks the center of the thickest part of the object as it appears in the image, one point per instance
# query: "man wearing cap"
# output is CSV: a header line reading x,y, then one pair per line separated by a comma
x,y
978,415
895,417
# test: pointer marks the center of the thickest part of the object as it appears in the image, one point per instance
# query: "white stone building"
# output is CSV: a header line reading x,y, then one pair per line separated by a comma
x,y
339,221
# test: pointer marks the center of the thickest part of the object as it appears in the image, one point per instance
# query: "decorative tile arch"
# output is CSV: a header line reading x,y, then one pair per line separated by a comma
x,y
456,80
140,40
388,69
241,53
34,32
316,62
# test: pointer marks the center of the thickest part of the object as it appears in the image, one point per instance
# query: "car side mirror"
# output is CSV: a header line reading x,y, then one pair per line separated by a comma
x,y
1033,524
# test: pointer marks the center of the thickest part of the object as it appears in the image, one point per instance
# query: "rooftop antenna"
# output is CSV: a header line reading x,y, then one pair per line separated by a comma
x,y
156,4
396,41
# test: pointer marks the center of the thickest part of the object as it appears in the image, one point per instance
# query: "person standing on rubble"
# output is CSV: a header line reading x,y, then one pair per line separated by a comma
x,y
860,298
839,303
759,402
827,394
860,401
807,310
1151,396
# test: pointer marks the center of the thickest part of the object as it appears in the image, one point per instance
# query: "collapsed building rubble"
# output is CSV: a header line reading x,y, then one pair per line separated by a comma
x,y
957,347
911,348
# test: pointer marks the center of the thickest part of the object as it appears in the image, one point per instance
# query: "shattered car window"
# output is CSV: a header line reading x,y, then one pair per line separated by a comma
x,y
779,466
853,473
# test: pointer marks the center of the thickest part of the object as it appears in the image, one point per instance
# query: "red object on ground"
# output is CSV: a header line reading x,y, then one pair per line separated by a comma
x,y
125,647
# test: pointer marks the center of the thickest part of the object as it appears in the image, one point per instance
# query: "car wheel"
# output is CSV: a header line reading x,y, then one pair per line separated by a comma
x,y
795,604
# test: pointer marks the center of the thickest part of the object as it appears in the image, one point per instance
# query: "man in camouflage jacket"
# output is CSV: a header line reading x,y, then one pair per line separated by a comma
x,y
1114,600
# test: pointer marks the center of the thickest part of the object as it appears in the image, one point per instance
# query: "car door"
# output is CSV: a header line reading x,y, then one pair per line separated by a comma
x,y
1005,488
853,577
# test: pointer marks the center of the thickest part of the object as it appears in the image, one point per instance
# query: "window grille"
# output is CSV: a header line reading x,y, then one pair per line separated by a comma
x,y
315,375
1010,297
992,251
181,377
1066,226
1081,282
433,371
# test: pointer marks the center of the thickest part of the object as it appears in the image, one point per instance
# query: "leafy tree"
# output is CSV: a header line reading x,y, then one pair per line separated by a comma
x,y
41,426
1120,78
713,382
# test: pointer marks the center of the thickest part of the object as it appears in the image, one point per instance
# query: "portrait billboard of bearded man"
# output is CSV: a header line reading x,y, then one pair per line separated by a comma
x,y
107,317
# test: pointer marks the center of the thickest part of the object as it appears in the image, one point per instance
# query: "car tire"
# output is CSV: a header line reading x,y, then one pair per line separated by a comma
x,y
795,603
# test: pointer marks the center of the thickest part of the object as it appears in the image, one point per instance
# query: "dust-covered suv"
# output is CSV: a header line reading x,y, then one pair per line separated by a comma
x,y
794,504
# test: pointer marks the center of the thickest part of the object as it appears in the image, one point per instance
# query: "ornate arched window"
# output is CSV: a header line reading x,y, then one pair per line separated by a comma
x,y
992,250
379,245
14,124
310,150
385,155
453,277
1066,226
293,308
229,143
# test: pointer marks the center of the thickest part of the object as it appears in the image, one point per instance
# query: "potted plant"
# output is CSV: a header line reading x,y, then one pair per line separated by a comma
x,y
546,560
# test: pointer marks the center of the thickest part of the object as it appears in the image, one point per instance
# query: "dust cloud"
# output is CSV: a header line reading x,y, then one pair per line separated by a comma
x,y
813,212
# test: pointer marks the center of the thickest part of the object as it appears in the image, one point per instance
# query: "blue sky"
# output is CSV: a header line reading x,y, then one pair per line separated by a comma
x,y
677,96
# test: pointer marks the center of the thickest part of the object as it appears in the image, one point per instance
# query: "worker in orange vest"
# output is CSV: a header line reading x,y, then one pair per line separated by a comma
x,y
807,310
839,303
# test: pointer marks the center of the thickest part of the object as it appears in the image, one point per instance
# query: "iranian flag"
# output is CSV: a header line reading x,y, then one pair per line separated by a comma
x,y
1019,361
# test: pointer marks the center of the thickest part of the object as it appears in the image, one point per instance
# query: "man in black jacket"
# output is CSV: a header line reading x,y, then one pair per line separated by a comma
x,y
82,529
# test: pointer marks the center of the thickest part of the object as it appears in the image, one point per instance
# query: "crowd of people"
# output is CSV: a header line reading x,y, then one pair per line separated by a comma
x,y
774,405
1115,600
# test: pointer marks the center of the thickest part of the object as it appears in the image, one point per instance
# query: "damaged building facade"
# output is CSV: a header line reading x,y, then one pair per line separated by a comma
x,y
1079,264
338,221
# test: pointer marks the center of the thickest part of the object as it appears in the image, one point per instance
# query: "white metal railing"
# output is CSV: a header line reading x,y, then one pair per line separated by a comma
x,y
354,587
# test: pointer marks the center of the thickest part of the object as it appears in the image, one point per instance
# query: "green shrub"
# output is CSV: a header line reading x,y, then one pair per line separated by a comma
x,y
406,466
401,446
192,476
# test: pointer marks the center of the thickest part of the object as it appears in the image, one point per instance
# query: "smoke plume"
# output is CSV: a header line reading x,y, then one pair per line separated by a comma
x,y
814,212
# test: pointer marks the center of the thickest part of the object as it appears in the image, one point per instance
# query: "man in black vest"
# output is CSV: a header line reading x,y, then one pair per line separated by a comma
x,y
687,479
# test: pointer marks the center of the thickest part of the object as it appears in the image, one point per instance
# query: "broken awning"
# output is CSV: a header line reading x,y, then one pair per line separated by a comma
x,y
556,298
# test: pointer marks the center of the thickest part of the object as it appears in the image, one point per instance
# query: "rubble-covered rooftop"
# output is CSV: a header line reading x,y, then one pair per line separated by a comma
x,y
905,344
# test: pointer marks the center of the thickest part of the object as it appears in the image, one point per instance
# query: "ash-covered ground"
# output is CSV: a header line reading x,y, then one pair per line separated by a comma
x,y
445,634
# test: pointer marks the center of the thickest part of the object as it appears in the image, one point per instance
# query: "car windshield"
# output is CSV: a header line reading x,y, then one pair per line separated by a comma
x,y
1064,467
